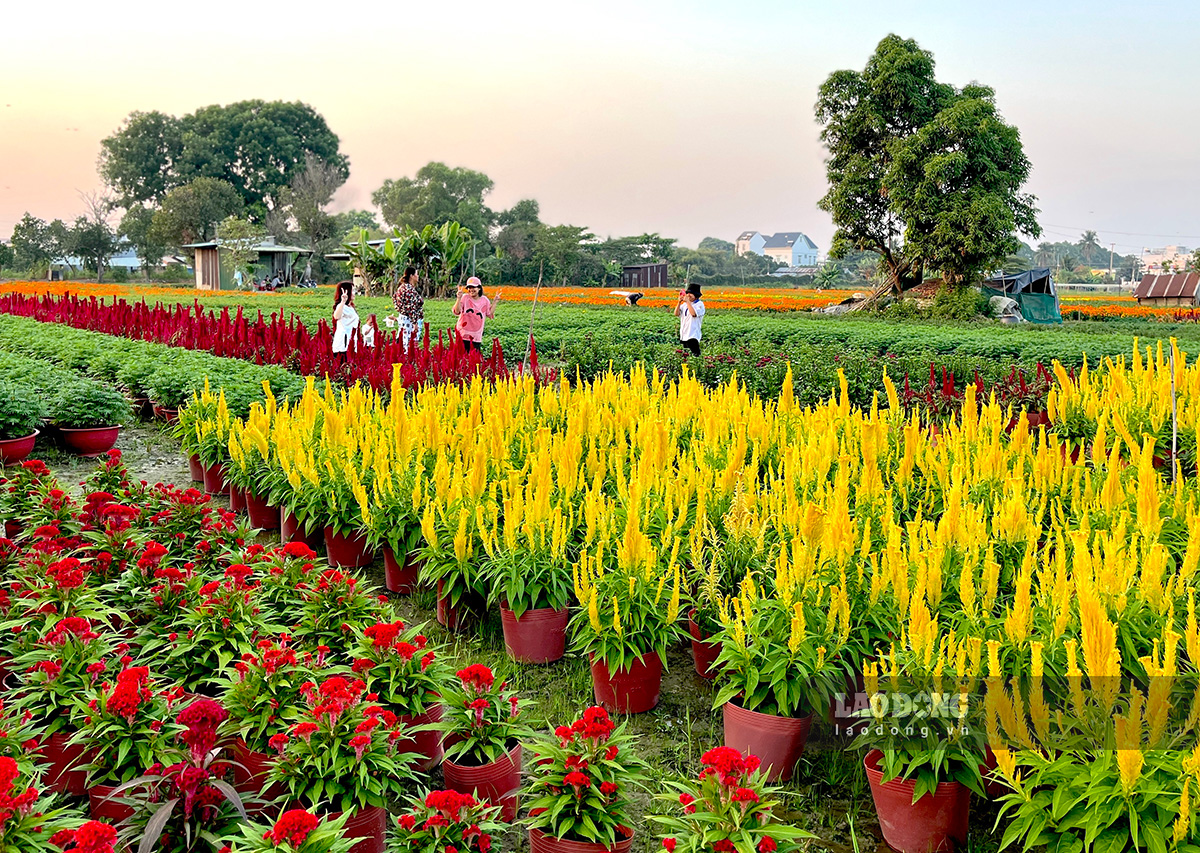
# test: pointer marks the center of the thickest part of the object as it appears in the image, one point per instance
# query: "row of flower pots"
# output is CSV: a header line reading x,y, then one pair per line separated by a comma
x,y
90,442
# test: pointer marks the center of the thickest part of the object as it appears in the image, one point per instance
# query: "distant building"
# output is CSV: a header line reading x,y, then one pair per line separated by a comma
x,y
790,248
213,271
1158,260
1168,291
644,276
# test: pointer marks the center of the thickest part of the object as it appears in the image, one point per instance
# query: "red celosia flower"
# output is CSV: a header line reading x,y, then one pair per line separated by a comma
x,y
360,744
669,845
293,827
724,846
476,677
767,845
278,742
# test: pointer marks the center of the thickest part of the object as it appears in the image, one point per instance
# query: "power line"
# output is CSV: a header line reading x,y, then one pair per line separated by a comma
x,y
1124,233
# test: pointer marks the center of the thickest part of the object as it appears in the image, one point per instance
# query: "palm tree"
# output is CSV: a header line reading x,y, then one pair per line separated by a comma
x,y
1089,247
1045,255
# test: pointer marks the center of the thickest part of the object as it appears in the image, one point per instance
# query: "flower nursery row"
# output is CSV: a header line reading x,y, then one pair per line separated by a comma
x,y
191,684
808,552
276,340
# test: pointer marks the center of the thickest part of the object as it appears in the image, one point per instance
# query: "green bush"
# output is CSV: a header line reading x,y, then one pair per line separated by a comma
x,y
84,404
172,385
118,275
958,303
21,411
134,375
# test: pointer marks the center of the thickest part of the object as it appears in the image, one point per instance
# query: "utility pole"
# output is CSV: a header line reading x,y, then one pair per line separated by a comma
x,y
1111,247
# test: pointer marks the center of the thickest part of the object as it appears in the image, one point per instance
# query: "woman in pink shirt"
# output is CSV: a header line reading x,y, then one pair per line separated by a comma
x,y
472,309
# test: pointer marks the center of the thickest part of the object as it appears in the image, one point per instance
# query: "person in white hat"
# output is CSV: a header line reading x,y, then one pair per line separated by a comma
x,y
472,309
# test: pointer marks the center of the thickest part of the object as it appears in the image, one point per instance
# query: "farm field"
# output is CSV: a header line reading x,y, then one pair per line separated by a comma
x,y
1027,538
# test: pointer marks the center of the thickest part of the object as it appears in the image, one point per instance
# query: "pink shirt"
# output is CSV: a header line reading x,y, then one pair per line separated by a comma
x,y
471,316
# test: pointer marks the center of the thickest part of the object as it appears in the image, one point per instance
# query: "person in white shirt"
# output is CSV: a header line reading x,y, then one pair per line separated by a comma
x,y
690,312
369,329
345,318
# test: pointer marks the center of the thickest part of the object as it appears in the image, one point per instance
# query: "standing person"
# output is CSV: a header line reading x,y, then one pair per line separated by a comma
x,y
410,308
369,330
690,312
472,309
345,318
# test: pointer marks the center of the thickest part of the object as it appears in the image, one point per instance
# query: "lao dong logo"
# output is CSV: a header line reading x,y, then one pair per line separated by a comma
x,y
919,714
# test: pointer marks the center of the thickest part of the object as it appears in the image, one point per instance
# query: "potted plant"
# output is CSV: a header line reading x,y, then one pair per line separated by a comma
x,y
395,525
438,821
727,807
527,572
483,738
296,831
340,751
29,824
170,386
249,465
408,676
336,500
335,607
183,803
133,375
449,527
579,790
199,408
629,618
21,412
58,669
924,755
777,667
88,416
265,689
124,731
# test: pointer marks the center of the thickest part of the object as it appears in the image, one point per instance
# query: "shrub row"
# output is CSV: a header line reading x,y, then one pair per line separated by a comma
x,y
32,389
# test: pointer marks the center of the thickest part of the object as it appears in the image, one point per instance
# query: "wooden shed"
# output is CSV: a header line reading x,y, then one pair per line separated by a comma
x,y
213,271
644,276
1168,291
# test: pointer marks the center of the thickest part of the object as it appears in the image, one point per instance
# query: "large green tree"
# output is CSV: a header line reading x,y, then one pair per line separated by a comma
x,y
258,147
92,241
928,176
437,194
33,242
137,227
189,214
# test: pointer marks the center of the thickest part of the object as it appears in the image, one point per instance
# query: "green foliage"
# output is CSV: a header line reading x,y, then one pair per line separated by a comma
x,y
926,175
21,411
172,385
328,837
136,227
84,404
239,239
959,303
190,213
435,195
32,242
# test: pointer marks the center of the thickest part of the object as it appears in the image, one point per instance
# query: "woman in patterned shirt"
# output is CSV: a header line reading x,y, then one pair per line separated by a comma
x,y
410,306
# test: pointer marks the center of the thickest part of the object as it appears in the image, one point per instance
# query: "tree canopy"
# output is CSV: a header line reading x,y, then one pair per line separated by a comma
x,y
437,194
258,147
928,176
189,214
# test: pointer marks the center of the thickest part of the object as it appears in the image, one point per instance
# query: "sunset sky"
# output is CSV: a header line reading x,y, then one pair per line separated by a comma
x,y
686,118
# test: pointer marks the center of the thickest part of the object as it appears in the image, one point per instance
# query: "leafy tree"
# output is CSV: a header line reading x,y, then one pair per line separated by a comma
x,y
33,243
256,146
526,211
1090,249
436,195
716,244
350,222
137,228
926,175
643,249
306,198
239,238
93,241
189,214
6,256
562,248
139,161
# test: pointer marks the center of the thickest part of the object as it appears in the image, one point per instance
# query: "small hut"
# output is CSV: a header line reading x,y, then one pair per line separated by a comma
x,y
1168,291
213,272
1033,290
644,276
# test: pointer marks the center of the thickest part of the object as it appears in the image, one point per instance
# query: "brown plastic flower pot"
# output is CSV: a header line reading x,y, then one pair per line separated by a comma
x,y
368,824
167,414
263,516
214,479
347,550
539,636
400,578
237,499
94,441
250,772
291,530
64,765
454,617
195,469
497,781
13,450
936,823
634,690
102,805
777,741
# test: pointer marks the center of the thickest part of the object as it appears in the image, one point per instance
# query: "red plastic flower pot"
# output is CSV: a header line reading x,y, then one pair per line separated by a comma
x,y
95,441
13,450
250,771
628,691
540,842
237,499
368,824
497,781
347,550
291,530
704,652
936,823
539,636
992,786
427,745
262,515
104,806
777,741
64,763
12,529
195,469
454,617
400,579
214,479
165,413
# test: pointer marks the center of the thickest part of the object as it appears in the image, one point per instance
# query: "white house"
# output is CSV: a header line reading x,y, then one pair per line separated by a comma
x,y
790,248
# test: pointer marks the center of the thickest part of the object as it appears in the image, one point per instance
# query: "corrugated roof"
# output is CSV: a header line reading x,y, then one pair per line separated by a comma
x,y
1170,286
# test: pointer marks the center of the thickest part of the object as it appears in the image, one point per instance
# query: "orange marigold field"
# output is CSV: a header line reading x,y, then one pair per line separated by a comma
x,y
757,298
109,290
